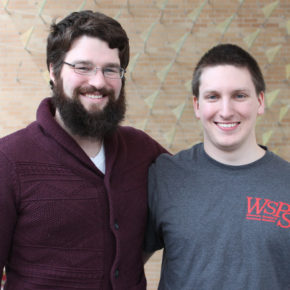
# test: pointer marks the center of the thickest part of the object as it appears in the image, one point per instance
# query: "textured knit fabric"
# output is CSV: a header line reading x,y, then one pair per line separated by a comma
x,y
222,227
65,225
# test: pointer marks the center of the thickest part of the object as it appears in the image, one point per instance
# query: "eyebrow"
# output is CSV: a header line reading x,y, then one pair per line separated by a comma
x,y
86,62
210,92
241,90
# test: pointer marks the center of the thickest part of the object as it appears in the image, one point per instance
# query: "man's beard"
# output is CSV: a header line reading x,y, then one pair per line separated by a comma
x,y
97,123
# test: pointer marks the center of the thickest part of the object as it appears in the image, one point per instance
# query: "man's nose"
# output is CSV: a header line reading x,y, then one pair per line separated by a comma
x,y
98,79
226,108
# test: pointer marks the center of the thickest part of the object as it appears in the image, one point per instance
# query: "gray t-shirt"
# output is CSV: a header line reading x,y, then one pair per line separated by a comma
x,y
222,227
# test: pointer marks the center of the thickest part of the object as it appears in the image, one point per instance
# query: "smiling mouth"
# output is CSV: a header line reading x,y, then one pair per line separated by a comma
x,y
93,96
227,125
90,96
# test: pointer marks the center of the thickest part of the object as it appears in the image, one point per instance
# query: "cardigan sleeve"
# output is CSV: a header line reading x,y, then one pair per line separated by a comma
x,y
8,212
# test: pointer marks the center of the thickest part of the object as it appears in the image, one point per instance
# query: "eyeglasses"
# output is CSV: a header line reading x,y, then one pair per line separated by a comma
x,y
109,72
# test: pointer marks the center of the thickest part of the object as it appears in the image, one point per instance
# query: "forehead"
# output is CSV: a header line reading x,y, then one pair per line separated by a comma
x,y
225,77
92,49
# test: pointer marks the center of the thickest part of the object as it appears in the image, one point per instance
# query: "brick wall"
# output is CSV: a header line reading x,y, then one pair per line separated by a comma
x,y
167,39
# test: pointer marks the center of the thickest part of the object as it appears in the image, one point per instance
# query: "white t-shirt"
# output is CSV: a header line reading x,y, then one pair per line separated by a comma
x,y
99,160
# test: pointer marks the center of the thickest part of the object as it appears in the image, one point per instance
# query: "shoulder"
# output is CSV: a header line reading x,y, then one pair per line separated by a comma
x,y
275,162
178,164
133,133
188,155
135,138
18,141
12,140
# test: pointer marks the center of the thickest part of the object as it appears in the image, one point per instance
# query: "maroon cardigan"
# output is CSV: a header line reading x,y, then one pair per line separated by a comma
x,y
65,225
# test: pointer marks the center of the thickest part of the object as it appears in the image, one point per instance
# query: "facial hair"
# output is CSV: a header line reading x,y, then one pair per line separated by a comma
x,y
96,123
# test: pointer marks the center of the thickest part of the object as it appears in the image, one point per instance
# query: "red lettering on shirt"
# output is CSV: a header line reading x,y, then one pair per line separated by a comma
x,y
273,209
266,210
283,207
285,223
256,205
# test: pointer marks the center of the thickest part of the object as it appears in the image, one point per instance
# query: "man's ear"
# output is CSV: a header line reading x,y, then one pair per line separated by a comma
x,y
196,107
261,100
51,73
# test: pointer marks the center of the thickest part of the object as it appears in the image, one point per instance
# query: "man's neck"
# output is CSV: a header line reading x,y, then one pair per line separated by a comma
x,y
235,157
91,146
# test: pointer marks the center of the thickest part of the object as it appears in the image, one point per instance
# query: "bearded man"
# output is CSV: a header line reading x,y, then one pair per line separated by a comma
x,y
73,183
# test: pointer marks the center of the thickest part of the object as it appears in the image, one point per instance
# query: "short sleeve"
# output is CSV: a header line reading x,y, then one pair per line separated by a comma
x,y
153,237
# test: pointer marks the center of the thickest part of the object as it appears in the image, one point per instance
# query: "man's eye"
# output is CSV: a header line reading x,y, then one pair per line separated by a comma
x,y
240,96
212,97
83,68
111,70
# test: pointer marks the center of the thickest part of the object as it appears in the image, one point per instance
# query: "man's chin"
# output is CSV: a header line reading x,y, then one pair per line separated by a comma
x,y
94,109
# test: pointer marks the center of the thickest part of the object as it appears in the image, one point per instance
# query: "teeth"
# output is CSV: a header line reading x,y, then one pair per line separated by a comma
x,y
94,96
230,125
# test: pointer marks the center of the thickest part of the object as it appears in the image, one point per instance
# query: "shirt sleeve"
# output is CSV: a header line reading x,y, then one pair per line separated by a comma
x,y
8,213
153,237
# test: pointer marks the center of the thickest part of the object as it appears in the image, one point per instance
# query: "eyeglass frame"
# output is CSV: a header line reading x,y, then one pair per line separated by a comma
x,y
95,69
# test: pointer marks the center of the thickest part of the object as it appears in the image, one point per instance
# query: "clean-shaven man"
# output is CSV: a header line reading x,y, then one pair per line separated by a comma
x,y
221,209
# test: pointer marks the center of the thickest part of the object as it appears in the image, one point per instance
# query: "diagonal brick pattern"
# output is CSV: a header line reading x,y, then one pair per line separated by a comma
x,y
167,39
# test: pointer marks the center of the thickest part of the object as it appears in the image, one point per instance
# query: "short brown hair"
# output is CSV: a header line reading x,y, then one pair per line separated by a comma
x,y
228,54
88,23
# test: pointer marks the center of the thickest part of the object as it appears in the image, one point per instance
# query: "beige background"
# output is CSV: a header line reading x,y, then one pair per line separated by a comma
x,y
167,38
